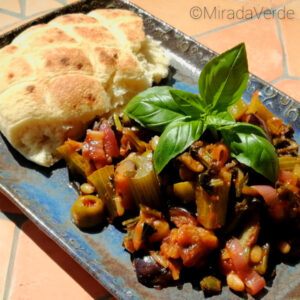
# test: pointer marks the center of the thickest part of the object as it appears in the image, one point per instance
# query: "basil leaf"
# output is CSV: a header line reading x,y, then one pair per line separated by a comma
x,y
218,121
190,104
224,79
154,108
178,136
246,128
252,150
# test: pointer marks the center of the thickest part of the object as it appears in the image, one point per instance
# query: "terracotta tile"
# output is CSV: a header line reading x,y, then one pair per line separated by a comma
x,y
44,271
6,20
7,206
262,43
290,87
265,3
269,3
12,5
7,229
36,6
291,38
21,22
295,6
280,2
178,13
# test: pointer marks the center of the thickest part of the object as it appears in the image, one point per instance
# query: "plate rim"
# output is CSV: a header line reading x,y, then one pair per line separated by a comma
x,y
5,39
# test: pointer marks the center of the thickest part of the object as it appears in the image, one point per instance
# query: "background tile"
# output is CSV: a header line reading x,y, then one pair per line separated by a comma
x,y
262,43
31,265
44,271
7,229
11,5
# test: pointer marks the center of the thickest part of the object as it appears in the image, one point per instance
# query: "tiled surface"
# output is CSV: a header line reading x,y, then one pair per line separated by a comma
x,y
272,40
32,266
187,16
37,254
7,230
264,48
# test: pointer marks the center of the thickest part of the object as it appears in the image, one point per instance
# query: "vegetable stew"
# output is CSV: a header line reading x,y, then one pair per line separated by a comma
x,y
201,184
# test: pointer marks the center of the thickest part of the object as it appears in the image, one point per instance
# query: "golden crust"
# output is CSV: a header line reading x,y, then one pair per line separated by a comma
x,y
127,25
114,14
15,67
57,77
131,30
96,34
62,59
41,36
72,19
87,91
20,102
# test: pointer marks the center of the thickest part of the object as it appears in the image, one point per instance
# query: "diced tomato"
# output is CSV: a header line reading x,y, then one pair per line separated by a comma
x,y
275,205
110,142
93,148
180,217
253,281
100,146
267,192
190,243
287,177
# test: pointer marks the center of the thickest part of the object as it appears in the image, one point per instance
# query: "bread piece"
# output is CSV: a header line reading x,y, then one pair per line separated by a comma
x,y
57,77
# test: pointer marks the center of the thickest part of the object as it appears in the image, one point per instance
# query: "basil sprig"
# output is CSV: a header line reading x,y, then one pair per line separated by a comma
x,y
182,117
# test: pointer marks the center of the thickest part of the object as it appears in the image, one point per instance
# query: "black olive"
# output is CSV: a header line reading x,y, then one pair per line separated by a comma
x,y
289,133
150,273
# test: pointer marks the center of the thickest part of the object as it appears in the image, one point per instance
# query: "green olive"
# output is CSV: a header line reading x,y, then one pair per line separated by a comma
x,y
87,211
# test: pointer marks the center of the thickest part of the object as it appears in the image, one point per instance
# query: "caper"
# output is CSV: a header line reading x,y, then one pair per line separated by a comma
x,y
87,211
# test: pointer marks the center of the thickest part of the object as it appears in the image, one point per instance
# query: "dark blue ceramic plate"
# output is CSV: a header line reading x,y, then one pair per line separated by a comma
x,y
46,196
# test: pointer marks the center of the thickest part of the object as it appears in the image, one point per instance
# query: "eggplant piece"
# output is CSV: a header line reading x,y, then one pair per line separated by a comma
x,y
181,216
254,119
241,212
150,273
285,146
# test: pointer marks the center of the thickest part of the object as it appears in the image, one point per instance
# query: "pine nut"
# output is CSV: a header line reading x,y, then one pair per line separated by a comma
x,y
256,254
284,247
87,188
235,283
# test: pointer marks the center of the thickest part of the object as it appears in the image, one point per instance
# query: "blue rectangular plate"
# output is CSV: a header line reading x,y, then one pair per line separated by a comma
x,y
46,196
